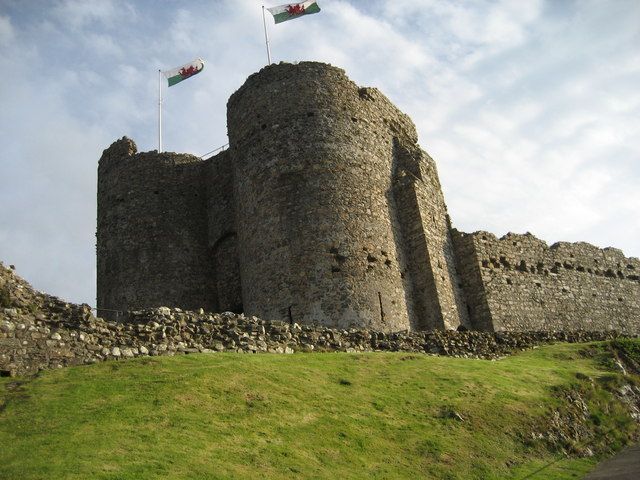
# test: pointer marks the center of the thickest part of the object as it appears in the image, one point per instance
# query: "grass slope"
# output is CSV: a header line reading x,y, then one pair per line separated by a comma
x,y
378,415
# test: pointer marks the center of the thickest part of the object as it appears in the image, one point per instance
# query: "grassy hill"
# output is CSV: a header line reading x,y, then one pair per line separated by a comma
x,y
333,415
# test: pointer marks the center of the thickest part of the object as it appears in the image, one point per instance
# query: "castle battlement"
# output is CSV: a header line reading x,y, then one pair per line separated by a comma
x,y
325,210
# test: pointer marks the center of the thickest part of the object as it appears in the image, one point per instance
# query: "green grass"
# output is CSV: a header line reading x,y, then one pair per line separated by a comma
x,y
332,415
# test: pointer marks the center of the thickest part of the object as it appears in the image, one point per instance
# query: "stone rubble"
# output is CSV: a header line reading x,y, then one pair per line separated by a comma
x,y
39,331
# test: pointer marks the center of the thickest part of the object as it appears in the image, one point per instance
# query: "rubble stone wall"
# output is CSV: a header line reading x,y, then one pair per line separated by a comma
x,y
27,346
518,283
38,331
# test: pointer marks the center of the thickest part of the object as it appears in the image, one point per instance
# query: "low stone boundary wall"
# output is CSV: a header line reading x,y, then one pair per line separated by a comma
x,y
71,335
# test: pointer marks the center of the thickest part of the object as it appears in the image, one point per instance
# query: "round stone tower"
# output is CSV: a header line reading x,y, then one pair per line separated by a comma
x,y
151,231
314,158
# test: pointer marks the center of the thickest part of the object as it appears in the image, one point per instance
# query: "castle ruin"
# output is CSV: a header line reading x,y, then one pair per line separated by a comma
x,y
325,210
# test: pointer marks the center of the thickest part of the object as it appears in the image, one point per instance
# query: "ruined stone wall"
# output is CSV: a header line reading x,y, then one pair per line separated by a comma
x,y
152,244
318,231
38,331
519,283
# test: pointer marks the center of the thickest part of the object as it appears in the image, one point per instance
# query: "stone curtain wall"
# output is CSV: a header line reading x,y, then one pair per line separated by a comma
x,y
152,231
519,283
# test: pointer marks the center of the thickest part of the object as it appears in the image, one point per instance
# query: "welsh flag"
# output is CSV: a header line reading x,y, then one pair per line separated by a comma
x,y
179,74
293,10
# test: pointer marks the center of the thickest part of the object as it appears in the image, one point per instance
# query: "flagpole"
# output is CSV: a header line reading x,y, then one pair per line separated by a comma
x,y
266,36
159,111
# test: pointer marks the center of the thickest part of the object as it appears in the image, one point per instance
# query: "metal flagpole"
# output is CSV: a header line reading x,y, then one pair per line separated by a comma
x,y
159,111
266,37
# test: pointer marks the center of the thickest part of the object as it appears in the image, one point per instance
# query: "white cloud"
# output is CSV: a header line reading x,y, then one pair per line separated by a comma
x,y
494,24
103,45
6,30
82,13
181,32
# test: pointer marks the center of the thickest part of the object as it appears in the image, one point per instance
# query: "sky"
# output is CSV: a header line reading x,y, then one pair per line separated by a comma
x,y
530,108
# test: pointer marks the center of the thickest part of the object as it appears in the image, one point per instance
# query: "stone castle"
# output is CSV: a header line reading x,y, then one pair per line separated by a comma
x,y
324,210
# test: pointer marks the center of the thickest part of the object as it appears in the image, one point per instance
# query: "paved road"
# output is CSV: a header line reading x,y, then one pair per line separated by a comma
x,y
624,466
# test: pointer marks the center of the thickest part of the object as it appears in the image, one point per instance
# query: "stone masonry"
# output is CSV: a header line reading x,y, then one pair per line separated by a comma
x,y
325,211
518,283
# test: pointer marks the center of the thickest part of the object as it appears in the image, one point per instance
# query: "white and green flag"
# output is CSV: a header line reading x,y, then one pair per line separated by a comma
x,y
290,11
178,74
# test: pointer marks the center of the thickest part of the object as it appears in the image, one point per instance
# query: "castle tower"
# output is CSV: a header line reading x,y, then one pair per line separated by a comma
x,y
339,215
323,210
152,245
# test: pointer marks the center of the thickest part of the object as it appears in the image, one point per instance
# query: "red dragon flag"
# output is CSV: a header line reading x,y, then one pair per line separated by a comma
x,y
176,75
293,10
